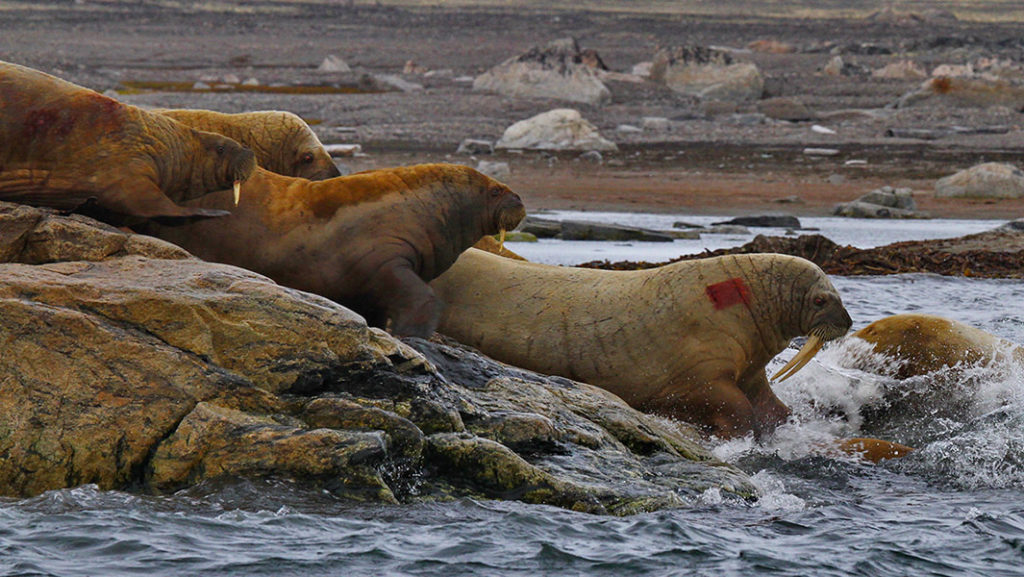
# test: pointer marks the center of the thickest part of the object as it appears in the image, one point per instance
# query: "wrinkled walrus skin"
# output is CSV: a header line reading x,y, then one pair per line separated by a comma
x,y
368,241
688,340
64,146
282,141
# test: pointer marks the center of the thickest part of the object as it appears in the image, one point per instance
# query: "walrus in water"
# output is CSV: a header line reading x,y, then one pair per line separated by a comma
x,y
926,343
369,241
689,340
282,141
65,147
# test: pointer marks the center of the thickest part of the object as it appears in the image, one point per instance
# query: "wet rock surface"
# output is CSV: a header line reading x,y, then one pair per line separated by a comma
x,y
130,364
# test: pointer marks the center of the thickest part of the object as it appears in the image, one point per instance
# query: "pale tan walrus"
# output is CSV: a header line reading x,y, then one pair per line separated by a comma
x,y
688,340
282,141
926,343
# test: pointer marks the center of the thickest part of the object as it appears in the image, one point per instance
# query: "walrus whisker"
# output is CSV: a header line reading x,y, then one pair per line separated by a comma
x,y
804,356
238,191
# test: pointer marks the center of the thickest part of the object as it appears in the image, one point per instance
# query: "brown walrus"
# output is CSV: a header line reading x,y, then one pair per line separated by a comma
x,y
282,141
688,340
369,241
925,343
64,146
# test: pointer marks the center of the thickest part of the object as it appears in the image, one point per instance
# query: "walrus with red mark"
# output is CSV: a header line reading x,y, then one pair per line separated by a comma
x,y
283,142
65,147
369,241
689,340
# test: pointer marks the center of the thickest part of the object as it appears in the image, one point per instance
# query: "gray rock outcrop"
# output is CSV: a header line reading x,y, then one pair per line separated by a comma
x,y
884,202
130,364
559,70
772,220
987,180
707,73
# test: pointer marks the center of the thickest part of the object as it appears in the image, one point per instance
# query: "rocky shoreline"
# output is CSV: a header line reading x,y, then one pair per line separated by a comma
x,y
132,365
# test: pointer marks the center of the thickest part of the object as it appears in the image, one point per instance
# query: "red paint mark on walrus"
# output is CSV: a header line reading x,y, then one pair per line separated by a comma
x,y
728,293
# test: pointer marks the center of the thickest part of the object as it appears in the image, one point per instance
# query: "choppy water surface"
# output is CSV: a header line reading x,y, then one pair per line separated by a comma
x,y
955,507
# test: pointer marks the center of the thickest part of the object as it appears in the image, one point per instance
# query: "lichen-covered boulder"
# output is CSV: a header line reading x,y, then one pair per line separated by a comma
x,y
128,363
559,70
707,73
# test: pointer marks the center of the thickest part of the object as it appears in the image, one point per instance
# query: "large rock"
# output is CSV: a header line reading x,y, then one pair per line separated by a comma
x,y
965,92
988,180
585,230
707,73
884,202
769,220
127,363
559,70
860,209
559,129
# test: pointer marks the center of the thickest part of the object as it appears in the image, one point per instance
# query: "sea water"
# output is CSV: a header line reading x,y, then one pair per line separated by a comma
x,y
954,507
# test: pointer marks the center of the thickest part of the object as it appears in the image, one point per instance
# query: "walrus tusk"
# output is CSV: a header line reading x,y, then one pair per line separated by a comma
x,y
501,241
238,191
804,356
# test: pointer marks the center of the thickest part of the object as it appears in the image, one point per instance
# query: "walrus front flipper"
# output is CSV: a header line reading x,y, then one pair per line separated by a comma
x,y
413,308
151,202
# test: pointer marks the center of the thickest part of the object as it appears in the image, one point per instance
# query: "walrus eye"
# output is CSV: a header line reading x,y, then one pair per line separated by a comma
x,y
819,301
307,158
496,192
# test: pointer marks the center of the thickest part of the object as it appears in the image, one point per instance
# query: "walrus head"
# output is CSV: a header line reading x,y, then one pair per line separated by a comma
x,y
289,146
314,164
228,162
822,318
504,206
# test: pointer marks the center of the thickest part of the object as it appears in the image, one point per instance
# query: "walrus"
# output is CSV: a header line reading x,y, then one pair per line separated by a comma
x,y
689,340
68,147
283,142
924,344
368,241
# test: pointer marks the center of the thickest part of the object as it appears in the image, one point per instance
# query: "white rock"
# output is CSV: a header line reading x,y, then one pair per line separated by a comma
x,y
343,149
656,123
398,82
558,129
333,64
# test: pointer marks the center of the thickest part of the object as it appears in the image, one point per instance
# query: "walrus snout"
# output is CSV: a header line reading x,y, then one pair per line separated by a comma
x,y
831,321
243,164
317,169
510,212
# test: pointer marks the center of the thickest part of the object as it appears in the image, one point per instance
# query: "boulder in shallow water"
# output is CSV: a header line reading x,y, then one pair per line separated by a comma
x,y
771,220
584,230
130,364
